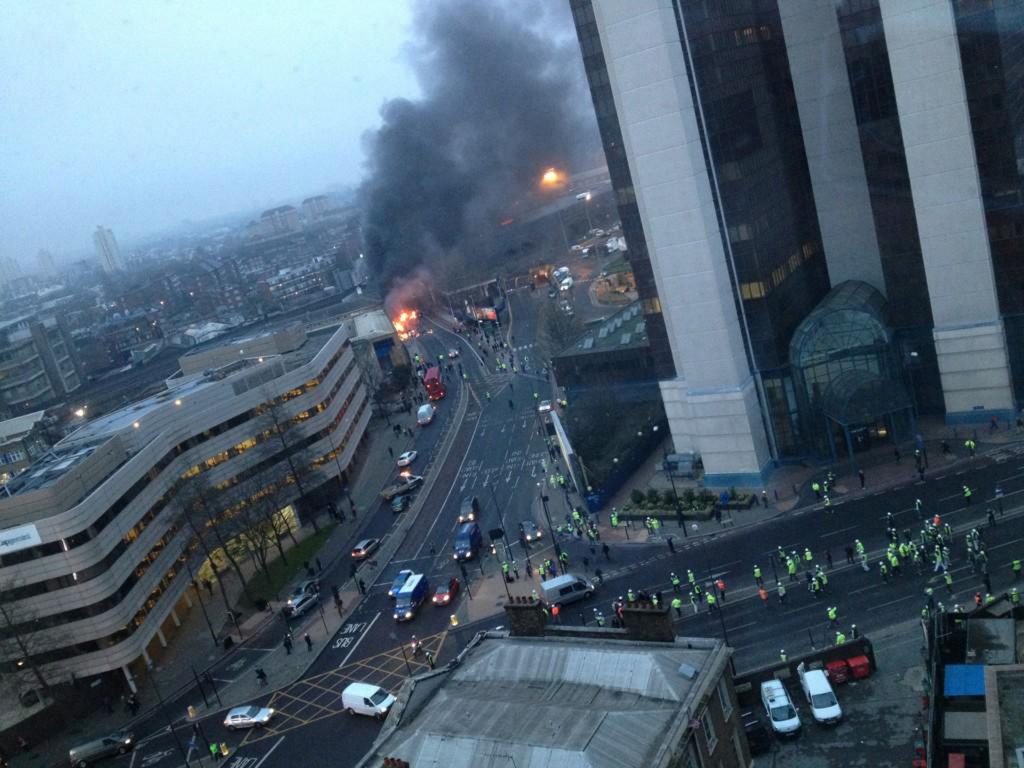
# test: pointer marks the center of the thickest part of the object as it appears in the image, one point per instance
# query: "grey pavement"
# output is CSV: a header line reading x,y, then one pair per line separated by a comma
x,y
881,714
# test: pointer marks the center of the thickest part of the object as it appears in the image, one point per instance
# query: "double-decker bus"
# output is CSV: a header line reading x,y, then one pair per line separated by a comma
x,y
433,384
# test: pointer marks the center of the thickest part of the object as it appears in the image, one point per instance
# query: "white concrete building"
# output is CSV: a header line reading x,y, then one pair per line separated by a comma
x,y
93,546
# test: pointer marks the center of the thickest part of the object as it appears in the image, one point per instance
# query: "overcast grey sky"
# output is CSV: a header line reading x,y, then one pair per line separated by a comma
x,y
138,115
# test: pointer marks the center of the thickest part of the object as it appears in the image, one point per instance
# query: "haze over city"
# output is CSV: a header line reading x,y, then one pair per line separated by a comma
x,y
139,116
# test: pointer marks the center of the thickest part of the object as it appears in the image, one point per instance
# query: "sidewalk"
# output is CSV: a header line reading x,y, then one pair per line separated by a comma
x,y
789,486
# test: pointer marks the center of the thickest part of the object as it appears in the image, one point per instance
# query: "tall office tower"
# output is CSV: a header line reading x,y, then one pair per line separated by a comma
x,y
829,198
46,265
107,250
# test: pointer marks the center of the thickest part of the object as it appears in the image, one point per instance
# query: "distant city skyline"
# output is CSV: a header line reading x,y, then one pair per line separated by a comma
x,y
146,117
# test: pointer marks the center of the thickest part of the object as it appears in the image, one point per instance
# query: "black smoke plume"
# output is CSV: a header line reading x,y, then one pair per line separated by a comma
x,y
504,97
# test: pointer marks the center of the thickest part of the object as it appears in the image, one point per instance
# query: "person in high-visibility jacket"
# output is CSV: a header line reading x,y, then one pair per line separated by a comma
x,y
712,601
677,606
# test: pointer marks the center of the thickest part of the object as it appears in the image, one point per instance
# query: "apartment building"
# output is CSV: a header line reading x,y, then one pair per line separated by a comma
x,y
94,549
38,364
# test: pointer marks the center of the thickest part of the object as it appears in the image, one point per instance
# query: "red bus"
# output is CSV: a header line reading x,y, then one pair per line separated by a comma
x,y
433,384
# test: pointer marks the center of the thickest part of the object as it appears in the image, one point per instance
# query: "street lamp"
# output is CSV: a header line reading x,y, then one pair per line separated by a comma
x,y
547,517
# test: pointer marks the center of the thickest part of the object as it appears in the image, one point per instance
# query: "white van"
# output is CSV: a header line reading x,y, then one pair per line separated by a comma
x,y
366,699
566,589
566,284
425,414
818,691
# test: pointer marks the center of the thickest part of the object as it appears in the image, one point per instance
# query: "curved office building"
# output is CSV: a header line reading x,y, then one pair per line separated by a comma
x,y
94,546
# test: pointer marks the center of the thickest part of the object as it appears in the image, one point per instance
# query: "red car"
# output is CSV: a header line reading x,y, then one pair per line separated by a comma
x,y
447,592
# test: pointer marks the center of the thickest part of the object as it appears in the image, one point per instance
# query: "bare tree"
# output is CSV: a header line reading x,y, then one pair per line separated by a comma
x,y
197,503
255,516
21,643
284,437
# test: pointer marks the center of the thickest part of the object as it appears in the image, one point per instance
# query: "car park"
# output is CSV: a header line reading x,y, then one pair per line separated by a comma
x,y
248,717
782,715
407,458
365,548
117,743
819,694
529,532
759,737
366,699
446,592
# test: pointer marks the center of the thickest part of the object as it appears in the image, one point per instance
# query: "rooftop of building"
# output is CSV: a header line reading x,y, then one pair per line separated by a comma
x,y
50,468
94,432
18,427
278,210
625,329
572,702
1010,695
371,326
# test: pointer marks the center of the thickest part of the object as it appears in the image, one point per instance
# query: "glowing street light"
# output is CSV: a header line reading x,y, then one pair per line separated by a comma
x,y
550,177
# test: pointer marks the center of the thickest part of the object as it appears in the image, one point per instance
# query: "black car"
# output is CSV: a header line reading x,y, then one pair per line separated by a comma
x,y
759,736
400,504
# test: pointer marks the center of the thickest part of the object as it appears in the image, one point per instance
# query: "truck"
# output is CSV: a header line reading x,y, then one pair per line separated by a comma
x,y
410,597
404,484
467,542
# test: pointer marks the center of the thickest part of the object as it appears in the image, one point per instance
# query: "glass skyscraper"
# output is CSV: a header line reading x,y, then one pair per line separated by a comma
x,y
822,205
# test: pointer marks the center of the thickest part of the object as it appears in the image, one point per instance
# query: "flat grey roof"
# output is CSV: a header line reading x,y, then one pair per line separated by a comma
x,y
549,702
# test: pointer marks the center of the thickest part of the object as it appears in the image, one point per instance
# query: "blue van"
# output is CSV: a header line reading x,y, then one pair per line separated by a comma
x,y
412,594
467,542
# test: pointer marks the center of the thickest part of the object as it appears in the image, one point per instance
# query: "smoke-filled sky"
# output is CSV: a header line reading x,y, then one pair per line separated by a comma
x,y
503,97
139,115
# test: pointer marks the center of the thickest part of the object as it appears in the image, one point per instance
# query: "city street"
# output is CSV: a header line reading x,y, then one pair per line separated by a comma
x,y
496,455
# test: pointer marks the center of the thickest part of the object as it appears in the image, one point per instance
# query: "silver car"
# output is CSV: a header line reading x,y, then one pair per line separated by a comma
x,y
247,717
118,743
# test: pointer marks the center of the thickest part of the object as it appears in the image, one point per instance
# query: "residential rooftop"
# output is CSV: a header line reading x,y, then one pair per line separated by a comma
x,y
570,702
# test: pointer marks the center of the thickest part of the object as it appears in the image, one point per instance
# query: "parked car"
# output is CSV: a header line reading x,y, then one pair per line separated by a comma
x,y
544,406
759,737
407,458
529,531
300,603
248,717
779,707
399,582
400,503
405,483
446,592
366,699
820,696
117,743
365,548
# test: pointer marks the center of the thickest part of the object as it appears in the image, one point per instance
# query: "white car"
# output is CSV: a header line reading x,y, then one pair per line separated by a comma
x,y
779,707
820,696
453,353
544,406
407,458
247,717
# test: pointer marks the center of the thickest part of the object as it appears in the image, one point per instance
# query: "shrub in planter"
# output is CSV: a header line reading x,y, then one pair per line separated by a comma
x,y
668,499
733,495
706,498
636,496
653,497
688,498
